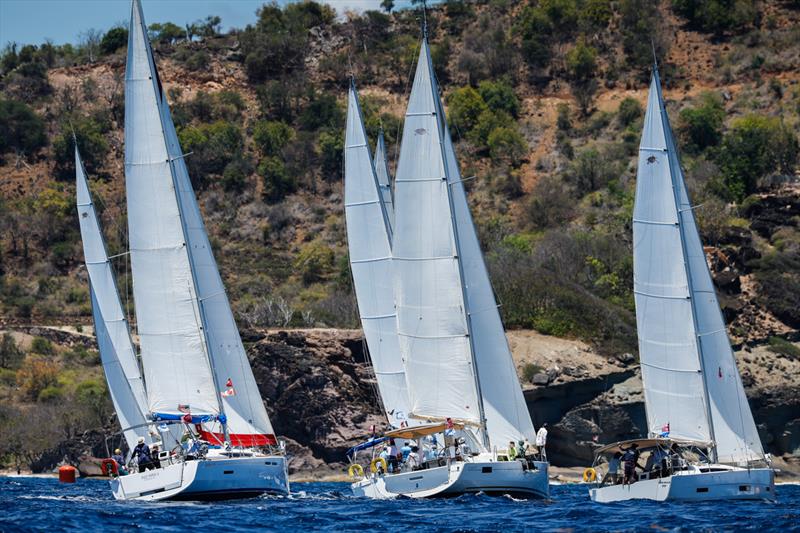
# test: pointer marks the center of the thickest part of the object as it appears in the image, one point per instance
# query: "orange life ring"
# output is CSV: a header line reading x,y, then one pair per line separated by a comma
x,y
589,475
109,467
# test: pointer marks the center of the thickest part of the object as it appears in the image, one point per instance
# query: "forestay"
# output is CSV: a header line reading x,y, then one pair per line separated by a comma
x,y
368,237
431,320
384,180
692,387
111,327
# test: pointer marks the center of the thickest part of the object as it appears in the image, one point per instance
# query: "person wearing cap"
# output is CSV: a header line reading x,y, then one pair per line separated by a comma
x,y
541,441
120,460
142,454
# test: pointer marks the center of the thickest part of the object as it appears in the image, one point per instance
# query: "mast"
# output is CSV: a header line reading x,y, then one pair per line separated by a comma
x,y
465,299
672,152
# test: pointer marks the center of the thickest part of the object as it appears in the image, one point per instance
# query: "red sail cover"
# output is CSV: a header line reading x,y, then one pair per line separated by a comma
x,y
240,439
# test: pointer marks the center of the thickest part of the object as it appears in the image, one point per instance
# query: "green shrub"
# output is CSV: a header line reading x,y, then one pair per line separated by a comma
x,y
314,261
506,144
234,177
563,122
274,100
629,110
700,127
21,129
198,61
89,133
331,150
717,16
271,136
499,96
35,375
529,370
50,394
322,111
214,146
8,377
277,181
10,354
778,274
42,346
784,347
755,147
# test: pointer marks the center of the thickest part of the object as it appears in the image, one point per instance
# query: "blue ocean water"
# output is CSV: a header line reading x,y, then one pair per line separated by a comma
x,y
43,504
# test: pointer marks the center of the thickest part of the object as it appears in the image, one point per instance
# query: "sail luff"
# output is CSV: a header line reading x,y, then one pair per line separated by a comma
x,y
117,354
369,245
733,429
175,362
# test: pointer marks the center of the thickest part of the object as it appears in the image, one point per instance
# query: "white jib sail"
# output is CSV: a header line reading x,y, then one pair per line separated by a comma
x,y
431,320
692,385
735,432
247,419
111,327
176,366
507,415
368,239
384,180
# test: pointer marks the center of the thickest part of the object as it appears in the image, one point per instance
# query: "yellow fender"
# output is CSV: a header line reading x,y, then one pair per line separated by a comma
x,y
589,475
373,466
355,470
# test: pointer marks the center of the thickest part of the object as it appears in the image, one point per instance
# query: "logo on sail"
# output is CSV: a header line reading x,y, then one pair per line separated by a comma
x,y
652,159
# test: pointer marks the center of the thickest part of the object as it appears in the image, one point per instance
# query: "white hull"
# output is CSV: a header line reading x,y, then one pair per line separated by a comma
x,y
490,477
723,483
208,479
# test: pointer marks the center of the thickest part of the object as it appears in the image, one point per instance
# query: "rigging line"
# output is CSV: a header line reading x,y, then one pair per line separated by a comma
x,y
406,94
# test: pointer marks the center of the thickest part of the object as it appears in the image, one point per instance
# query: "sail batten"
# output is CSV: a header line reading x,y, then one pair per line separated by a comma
x,y
369,236
699,396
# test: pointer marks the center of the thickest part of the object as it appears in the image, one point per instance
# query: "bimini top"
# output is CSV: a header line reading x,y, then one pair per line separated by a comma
x,y
421,431
649,443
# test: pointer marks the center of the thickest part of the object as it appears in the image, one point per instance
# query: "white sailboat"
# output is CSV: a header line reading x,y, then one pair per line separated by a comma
x,y
196,382
701,431
459,375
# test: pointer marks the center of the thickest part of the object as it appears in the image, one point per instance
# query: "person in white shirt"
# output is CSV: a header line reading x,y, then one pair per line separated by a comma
x,y
412,460
541,441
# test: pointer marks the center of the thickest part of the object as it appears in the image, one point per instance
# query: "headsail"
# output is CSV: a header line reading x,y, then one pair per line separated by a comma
x,y
431,319
174,357
384,179
692,385
198,348
369,236
111,327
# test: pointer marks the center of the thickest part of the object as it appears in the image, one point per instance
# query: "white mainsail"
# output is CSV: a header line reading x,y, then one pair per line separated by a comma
x,y
384,179
692,386
369,237
111,327
206,350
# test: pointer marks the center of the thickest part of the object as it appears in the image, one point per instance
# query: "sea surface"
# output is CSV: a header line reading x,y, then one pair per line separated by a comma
x,y
44,504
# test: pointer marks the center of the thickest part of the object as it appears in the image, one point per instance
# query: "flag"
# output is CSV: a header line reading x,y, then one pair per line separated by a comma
x,y
449,423
183,408
229,383
187,418
664,430
229,392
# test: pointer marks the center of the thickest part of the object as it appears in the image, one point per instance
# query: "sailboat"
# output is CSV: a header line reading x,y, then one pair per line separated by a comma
x,y
702,442
195,395
461,384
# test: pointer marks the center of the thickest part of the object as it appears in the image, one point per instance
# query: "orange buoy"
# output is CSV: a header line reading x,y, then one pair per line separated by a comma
x,y
66,474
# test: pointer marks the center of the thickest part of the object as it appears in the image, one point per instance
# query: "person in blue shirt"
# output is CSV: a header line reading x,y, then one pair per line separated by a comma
x,y
405,450
142,454
120,460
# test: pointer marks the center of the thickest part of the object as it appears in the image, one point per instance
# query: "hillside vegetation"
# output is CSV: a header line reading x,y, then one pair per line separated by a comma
x,y
545,101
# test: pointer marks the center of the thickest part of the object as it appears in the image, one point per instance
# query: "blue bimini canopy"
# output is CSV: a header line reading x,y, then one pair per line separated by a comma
x,y
366,445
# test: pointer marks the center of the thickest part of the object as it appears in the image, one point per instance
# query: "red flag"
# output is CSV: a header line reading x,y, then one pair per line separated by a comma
x,y
229,383
229,392
449,423
187,418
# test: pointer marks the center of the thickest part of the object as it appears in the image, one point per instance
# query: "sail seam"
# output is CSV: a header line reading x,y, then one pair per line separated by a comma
x,y
431,336
373,260
661,297
397,180
687,370
654,222
368,202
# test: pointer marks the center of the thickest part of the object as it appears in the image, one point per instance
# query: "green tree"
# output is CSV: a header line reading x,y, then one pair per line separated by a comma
x,y
271,136
314,261
213,145
465,106
701,126
113,40
507,144
717,16
499,96
322,111
581,62
331,148
89,133
755,147
387,5
10,354
629,110
21,129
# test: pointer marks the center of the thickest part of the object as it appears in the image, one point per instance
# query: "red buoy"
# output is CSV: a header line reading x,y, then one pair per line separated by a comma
x,y
67,474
